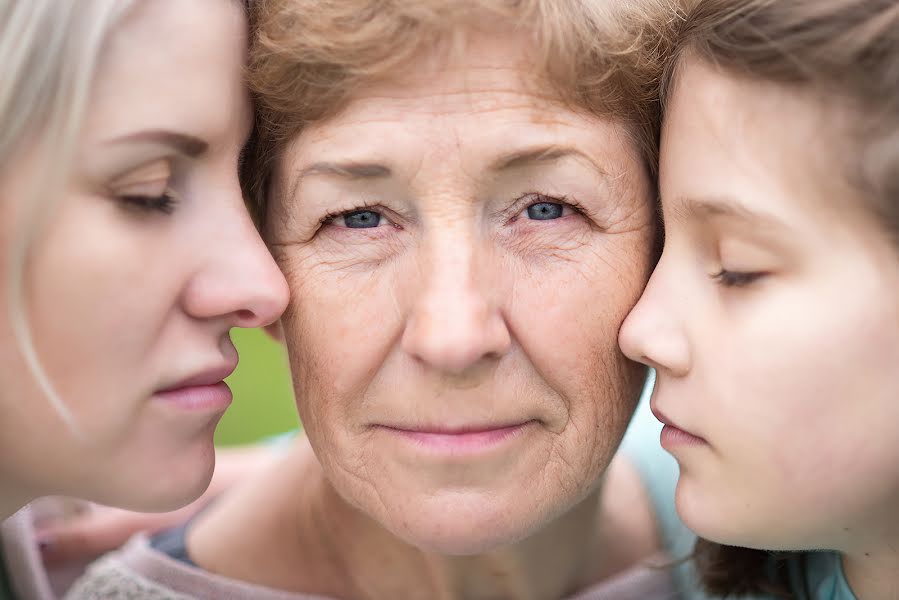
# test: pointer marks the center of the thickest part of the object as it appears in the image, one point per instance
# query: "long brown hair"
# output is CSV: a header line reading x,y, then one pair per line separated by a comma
x,y
846,50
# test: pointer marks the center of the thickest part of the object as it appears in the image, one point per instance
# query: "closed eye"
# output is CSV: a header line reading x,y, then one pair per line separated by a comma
x,y
164,203
737,279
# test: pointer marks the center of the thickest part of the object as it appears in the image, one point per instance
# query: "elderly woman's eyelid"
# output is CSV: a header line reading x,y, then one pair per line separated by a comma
x,y
347,171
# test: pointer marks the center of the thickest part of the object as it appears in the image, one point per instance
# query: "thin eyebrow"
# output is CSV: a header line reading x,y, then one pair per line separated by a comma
x,y
367,171
722,207
187,145
540,154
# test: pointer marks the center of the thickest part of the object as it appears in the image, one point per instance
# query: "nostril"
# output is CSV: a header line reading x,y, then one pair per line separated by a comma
x,y
245,315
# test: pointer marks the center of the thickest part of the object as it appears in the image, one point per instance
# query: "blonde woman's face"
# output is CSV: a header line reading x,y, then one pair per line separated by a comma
x,y
461,251
773,323
145,263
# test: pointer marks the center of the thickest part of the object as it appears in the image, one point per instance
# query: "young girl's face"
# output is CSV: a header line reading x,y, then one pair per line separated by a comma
x,y
148,258
772,320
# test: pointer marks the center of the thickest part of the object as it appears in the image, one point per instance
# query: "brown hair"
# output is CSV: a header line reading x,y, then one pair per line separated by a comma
x,y
308,56
841,49
847,50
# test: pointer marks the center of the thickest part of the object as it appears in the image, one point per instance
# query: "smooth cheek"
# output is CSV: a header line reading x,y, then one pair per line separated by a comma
x,y
99,304
100,301
814,426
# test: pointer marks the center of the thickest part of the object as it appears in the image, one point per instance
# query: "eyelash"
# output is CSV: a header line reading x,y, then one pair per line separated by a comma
x,y
330,217
736,279
521,203
532,198
164,204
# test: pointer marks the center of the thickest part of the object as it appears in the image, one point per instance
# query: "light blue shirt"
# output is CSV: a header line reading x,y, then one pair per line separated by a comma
x,y
820,577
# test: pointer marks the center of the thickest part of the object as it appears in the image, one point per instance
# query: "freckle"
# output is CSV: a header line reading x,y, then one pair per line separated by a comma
x,y
867,554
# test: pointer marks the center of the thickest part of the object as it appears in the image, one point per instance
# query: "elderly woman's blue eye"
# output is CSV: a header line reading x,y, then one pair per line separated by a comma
x,y
544,211
362,219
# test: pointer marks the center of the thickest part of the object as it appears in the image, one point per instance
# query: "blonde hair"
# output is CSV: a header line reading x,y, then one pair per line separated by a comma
x,y
49,55
844,50
308,56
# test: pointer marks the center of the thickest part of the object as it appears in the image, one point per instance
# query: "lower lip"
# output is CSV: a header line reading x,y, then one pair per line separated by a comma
x,y
672,437
198,397
461,443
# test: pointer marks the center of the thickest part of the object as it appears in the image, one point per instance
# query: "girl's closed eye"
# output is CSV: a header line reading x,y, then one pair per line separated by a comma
x,y
737,279
163,203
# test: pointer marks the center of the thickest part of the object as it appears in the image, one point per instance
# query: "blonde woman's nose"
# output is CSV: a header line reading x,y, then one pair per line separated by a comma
x,y
238,281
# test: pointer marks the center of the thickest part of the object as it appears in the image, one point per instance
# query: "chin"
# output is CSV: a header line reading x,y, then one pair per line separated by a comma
x,y
167,484
463,526
716,519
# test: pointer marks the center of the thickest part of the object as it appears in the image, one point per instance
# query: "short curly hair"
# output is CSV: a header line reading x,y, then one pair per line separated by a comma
x,y
308,56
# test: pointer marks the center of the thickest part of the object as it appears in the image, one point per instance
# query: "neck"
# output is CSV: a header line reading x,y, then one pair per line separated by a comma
x,y
874,572
554,562
346,554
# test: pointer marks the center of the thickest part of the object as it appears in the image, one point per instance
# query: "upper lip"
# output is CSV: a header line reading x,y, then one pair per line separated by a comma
x,y
208,376
456,429
663,418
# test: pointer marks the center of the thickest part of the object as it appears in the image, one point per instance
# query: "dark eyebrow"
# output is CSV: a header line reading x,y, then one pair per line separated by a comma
x,y
540,154
723,207
187,145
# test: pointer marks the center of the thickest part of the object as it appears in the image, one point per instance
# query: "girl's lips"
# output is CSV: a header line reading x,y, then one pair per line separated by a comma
x,y
210,397
673,436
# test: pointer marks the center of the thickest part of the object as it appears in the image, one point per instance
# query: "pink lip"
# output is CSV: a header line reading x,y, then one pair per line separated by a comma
x,y
673,436
460,440
201,392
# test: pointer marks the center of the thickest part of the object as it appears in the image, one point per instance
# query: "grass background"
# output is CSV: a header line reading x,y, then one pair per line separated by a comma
x,y
263,396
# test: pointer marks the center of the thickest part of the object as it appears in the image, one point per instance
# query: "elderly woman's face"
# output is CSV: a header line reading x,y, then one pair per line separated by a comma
x,y
462,251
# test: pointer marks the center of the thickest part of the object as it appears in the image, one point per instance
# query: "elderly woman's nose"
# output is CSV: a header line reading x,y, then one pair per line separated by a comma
x,y
236,279
456,322
652,333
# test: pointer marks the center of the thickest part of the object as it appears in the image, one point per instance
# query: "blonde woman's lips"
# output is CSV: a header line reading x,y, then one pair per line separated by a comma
x,y
215,397
204,391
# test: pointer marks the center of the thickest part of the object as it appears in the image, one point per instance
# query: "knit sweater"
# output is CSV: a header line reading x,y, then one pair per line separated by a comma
x,y
141,571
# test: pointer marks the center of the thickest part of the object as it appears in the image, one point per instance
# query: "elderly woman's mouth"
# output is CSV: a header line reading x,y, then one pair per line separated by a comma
x,y
462,440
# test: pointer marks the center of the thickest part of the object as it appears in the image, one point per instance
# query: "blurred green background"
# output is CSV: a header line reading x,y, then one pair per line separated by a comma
x,y
263,396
